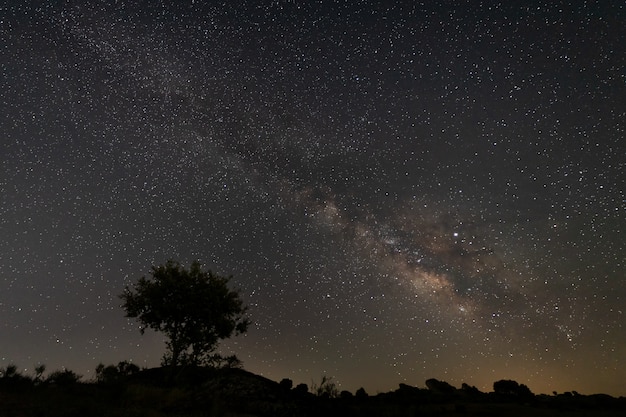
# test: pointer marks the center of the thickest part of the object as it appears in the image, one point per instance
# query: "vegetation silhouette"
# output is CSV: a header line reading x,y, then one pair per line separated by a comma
x,y
113,373
439,387
512,388
326,388
195,309
127,390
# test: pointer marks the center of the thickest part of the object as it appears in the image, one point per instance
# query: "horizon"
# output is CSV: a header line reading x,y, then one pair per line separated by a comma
x,y
90,377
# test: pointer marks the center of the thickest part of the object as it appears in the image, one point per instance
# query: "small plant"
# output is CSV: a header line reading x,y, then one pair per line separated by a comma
x,y
39,370
10,376
326,388
9,372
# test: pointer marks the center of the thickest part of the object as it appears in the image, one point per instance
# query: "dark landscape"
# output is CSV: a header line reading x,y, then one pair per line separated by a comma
x,y
126,390
365,193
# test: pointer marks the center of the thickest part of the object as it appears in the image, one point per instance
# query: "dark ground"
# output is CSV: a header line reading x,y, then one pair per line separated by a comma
x,y
234,392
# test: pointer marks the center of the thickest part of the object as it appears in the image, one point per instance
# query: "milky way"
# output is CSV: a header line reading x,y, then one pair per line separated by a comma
x,y
401,190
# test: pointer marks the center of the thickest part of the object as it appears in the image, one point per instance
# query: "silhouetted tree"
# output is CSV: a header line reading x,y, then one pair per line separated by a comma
x,y
361,393
111,373
106,374
195,309
513,388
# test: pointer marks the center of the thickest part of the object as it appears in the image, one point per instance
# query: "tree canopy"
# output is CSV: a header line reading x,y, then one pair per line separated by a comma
x,y
195,309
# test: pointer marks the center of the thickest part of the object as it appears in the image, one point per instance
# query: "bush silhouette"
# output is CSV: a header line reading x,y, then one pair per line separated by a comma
x,y
112,373
39,370
326,388
10,377
360,393
511,388
470,390
63,378
440,387
301,389
286,384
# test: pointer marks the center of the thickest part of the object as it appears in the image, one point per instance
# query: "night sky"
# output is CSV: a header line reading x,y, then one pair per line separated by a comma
x,y
401,190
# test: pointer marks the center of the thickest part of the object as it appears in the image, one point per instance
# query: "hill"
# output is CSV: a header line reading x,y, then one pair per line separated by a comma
x,y
235,392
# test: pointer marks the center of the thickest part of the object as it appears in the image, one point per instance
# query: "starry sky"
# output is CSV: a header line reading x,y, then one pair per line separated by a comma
x,y
401,190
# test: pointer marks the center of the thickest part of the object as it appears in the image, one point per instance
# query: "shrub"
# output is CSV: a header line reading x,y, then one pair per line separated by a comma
x,y
63,378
